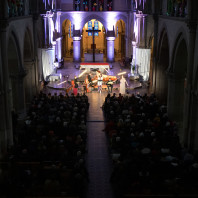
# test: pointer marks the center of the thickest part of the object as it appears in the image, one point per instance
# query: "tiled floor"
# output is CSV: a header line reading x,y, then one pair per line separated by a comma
x,y
98,159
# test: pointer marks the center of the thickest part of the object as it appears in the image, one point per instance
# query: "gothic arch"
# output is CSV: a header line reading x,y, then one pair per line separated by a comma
x,y
27,47
161,82
177,82
14,71
120,16
120,39
28,65
67,40
63,17
163,34
13,53
179,57
93,16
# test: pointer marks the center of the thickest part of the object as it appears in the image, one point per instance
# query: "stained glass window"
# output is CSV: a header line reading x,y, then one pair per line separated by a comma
x,y
90,28
71,30
96,27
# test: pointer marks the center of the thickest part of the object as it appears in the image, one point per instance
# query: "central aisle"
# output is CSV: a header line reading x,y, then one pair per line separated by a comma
x,y
98,160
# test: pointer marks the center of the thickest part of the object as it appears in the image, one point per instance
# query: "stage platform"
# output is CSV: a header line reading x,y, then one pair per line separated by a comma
x,y
69,71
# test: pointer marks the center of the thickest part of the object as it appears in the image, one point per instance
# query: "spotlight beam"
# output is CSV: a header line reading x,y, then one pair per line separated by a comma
x,y
61,82
82,73
121,73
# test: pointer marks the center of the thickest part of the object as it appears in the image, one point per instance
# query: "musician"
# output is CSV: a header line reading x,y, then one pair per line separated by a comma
x,y
122,85
100,79
86,89
89,78
75,88
110,85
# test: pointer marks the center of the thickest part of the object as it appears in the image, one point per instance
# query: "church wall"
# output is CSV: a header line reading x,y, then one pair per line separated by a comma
x,y
20,27
121,5
195,77
172,27
66,4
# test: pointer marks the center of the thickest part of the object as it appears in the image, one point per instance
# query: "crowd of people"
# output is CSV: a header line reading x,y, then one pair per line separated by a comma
x,y
145,148
48,157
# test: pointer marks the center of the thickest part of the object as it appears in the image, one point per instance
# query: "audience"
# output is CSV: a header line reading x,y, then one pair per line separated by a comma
x,y
48,157
145,147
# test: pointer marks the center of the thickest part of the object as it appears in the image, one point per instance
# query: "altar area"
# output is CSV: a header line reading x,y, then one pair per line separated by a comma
x,y
96,66
88,57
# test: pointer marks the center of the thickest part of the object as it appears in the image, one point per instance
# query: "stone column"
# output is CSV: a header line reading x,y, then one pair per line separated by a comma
x,y
155,17
6,120
30,83
76,49
110,49
45,31
193,126
188,103
50,37
175,100
141,21
59,48
3,134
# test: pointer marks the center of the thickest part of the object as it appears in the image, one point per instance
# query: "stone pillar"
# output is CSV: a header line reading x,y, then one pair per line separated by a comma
x,y
110,49
36,67
59,48
3,134
76,49
188,103
193,126
30,83
6,120
175,100
50,23
46,43
155,17
141,21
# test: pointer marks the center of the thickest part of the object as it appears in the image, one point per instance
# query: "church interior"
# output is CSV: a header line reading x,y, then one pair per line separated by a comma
x,y
98,98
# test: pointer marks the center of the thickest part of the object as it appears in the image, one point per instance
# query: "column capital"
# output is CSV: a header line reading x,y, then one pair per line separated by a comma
x,y
110,38
76,38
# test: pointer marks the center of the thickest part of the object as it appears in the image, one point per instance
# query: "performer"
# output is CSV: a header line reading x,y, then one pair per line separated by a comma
x,y
86,86
89,78
122,85
110,85
100,79
75,88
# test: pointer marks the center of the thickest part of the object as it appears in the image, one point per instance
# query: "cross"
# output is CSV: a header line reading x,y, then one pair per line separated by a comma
x,y
93,31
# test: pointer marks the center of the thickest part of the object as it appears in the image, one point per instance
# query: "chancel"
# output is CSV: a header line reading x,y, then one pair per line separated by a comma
x,y
98,98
